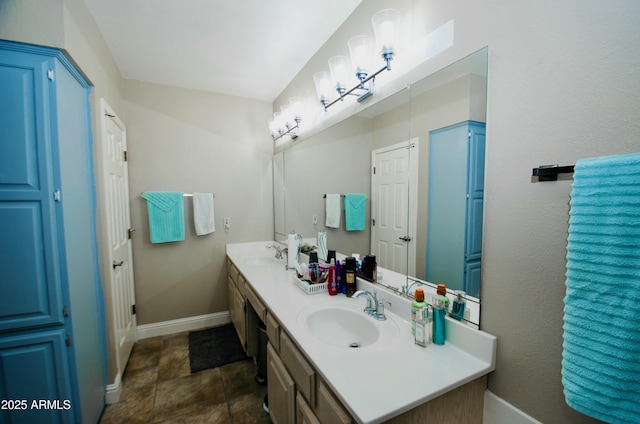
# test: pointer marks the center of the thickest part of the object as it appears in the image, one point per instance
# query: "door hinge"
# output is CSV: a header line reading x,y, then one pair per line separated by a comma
x,y
67,341
133,309
57,196
373,222
374,170
50,74
125,155
65,311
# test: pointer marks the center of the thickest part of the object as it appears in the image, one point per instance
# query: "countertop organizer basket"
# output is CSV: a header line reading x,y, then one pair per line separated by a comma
x,y
309,288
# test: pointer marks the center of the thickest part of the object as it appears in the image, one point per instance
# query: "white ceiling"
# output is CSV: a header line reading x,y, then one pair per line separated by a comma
x,y
247,48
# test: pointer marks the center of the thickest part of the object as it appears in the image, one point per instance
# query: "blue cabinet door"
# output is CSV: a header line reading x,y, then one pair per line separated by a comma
x,y
30,287
51,305
456,197
34,368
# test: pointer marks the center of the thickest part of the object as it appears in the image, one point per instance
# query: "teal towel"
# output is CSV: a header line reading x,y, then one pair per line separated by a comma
x,y
355,207
166,215
601,348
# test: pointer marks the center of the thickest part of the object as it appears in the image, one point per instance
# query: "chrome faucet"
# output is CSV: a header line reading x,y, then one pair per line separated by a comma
x,y
374,307
278,250
407,290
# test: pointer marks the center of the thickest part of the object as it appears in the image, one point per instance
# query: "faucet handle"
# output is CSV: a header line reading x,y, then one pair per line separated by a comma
x,y
380,316
369,308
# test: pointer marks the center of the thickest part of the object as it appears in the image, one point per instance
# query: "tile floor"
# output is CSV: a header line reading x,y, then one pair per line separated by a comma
x,y
158,387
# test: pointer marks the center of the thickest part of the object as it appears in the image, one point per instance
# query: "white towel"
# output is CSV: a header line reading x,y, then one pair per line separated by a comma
x,y
332,207
203,218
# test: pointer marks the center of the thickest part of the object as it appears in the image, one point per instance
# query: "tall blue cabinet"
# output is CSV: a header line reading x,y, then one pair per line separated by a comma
x,y
52,329
456,197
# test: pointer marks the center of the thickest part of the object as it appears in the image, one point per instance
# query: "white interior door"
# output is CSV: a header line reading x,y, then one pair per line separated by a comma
x,y
394,220
114,145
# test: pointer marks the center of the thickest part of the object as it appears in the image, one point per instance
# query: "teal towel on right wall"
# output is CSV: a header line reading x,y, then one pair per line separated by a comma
x,y
355,211
601,348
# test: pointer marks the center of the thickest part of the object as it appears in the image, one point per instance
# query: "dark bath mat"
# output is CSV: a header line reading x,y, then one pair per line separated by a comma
x,y
214,347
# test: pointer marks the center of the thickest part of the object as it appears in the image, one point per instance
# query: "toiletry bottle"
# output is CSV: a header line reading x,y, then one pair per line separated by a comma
x,y
423,328
350,275
459,304
332,285
340,276
442,291
439,322
417,304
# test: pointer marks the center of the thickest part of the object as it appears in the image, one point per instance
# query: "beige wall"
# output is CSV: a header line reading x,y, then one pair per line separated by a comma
x,y
190,141
562,86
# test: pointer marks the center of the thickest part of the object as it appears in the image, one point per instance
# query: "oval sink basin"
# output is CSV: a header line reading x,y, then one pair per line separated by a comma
x,y
346,326
265,260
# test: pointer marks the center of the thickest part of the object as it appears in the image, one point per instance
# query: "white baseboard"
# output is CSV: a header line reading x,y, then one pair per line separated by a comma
x,y
183,324
114,391
499,411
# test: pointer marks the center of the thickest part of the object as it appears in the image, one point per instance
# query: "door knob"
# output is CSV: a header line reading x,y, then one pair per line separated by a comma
x,y
405,238
117,264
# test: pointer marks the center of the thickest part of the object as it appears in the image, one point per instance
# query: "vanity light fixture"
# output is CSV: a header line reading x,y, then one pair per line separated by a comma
x,y
287,121
386,24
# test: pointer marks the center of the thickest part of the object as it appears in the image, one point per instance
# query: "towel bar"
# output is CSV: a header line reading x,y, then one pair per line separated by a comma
x,y
187,195
550,172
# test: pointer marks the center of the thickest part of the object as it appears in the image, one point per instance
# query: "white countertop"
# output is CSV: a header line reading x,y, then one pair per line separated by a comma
x,y
375,383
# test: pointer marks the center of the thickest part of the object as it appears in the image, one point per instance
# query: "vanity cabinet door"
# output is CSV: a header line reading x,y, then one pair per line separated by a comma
x,y
304,413
329,409
237,312
281,390
302,372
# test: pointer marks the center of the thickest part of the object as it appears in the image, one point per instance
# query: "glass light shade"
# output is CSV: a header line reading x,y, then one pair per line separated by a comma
x,y
361,53
296,106
340,67
386,26
322,81
274,125
286,115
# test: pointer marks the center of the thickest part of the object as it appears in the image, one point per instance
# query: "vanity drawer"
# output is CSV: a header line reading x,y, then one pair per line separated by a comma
x,y
232,271
241,282
328,408
303,374
255,302
273,331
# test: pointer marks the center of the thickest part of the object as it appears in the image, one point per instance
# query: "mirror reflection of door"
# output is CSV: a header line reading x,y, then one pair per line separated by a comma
x,y
392,235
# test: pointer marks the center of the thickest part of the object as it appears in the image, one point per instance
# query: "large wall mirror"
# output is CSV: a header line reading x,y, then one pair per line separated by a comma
x,y
407,153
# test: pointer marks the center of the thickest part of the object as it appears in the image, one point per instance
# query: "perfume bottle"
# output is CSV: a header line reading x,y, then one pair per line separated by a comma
x,y
423,328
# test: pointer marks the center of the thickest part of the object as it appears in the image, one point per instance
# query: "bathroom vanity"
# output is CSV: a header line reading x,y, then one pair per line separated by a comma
x,y
330,362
